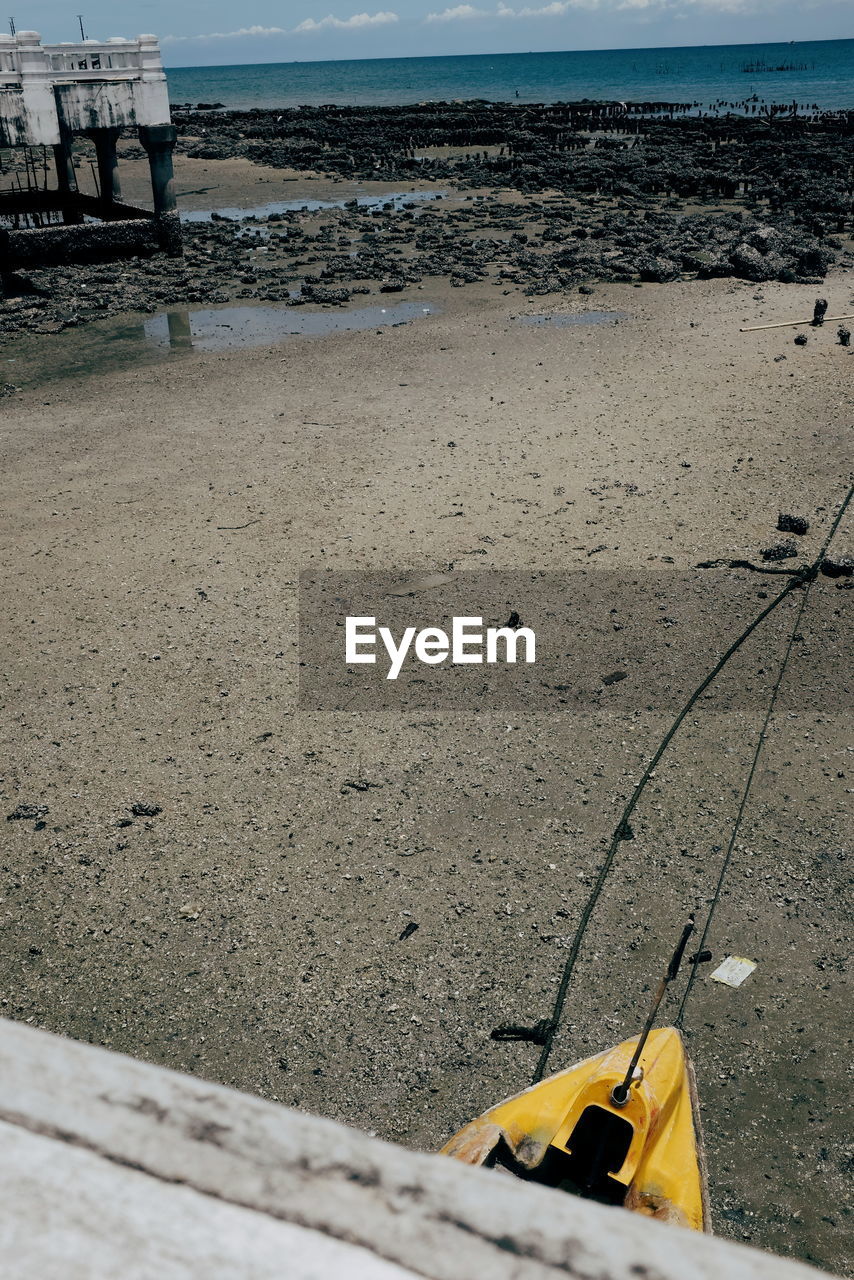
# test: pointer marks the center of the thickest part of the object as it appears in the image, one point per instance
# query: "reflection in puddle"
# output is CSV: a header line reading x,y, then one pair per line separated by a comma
x,y
226,327
563,319
394,199
105,346
179,328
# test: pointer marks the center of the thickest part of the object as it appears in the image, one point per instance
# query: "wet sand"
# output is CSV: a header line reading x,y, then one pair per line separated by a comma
x,y
155,520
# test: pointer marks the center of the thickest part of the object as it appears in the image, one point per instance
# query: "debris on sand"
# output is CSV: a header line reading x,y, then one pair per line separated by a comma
x,y
142,810
837,566
733,971
27,813
781,551
792,524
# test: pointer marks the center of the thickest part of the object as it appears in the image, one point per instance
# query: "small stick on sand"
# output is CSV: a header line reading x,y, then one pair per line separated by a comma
x,y
789,324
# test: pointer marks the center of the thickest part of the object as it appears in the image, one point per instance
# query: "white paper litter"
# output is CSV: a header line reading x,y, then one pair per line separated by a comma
x,y
734,970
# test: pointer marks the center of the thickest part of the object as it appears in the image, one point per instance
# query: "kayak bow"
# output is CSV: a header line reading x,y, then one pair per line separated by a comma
x,y
573,1132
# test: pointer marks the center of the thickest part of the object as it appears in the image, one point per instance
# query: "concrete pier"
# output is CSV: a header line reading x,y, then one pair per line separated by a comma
x,y
51,93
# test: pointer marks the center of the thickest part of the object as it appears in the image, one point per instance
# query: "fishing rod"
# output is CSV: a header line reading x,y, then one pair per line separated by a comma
x,y
543,1033
620,1092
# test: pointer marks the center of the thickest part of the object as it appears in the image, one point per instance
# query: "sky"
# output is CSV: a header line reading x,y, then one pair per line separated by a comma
x,y
217,32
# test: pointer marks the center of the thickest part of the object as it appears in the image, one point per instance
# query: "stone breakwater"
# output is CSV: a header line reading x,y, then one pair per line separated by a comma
x,y
538,201
799,164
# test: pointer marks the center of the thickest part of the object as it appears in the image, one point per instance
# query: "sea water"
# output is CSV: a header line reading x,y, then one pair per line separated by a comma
x,y
819,73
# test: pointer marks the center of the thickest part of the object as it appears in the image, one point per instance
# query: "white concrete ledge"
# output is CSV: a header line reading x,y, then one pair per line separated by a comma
x,y
48,89
112,1167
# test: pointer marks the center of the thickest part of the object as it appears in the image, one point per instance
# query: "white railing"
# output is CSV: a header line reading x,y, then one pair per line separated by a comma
x,y
93,56
9,65
84,60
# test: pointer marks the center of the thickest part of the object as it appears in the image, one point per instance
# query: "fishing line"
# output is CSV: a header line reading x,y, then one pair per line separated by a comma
x,y
547,1029
760,743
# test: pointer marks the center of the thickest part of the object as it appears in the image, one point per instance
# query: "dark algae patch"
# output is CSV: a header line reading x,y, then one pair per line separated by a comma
x,y
532,200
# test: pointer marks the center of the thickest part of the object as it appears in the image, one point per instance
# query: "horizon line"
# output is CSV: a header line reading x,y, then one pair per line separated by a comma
x,y
519,53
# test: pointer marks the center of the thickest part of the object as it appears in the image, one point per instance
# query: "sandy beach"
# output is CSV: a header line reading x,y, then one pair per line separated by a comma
x,y
244,923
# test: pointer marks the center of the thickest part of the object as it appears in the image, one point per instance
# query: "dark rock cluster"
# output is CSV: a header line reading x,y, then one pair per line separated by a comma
x,y
800,165
574,195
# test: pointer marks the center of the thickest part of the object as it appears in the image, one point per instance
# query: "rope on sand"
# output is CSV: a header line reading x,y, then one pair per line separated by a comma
x,y
545,1031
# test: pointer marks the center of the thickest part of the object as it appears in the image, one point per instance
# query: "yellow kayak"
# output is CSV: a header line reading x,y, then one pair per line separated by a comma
x,y
584,1131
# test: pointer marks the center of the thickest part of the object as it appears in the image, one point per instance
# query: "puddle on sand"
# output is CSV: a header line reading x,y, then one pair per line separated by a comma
x,y
398,199
564,319
110,345
223,328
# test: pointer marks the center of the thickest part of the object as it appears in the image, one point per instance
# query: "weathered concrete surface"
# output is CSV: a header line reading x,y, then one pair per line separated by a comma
x,y
97,1219
90,85
114,1167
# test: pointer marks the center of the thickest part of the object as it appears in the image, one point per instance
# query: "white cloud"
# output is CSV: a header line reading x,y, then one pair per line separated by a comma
x,y
460,13
727,6
352,23
679,8
556,9
472,12
229,35
346,24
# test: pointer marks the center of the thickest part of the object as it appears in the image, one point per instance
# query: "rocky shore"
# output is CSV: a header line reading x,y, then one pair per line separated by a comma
x,y
538,201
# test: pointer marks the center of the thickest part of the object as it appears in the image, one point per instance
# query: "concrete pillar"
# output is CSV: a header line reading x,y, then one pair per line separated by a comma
x,y
108,163
66,178
159,141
